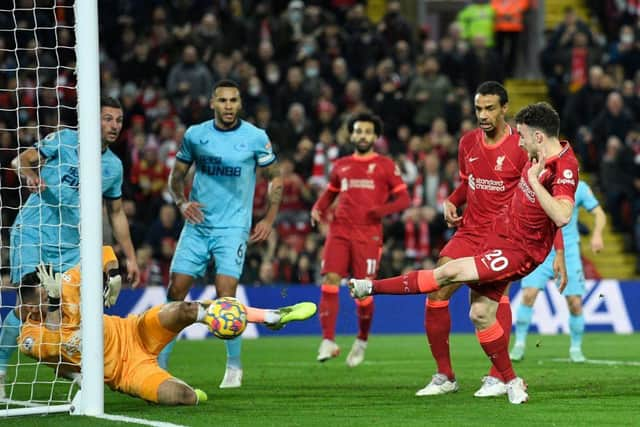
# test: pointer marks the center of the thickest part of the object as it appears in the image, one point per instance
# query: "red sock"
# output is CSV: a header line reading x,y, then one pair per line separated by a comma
x,y
414,282
328,313
438,328
503,316
365,315
494,345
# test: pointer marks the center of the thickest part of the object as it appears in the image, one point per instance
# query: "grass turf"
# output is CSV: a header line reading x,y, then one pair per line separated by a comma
x,y
284,386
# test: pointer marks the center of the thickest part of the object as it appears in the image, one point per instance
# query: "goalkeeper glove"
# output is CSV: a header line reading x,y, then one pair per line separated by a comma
x,y
113,284
51,281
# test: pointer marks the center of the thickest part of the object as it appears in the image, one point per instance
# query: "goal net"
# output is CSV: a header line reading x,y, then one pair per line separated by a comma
x,y
46,59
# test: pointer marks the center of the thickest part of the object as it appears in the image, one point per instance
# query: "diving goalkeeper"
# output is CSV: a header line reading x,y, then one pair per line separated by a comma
x,y
131,345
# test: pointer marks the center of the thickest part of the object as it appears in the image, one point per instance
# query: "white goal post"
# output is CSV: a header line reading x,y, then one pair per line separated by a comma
x,y
90,399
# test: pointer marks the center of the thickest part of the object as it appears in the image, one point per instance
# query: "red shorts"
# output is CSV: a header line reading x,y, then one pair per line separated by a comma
x,y
463,244
343,256
500,261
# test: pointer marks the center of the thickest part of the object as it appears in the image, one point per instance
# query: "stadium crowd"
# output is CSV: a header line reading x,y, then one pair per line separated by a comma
x,y
304,68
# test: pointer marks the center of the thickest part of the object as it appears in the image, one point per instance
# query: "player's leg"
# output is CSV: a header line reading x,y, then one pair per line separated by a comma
x,y
463,270
226,287
365,262
189,261
531,285
575,290
493,384
179,285
437,317
176,392
229,250
8,339
155,328
25,255
335,263
437,323
576,328
524,315
492,340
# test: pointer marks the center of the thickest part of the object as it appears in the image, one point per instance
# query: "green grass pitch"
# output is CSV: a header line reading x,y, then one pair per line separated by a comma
x,y
285,386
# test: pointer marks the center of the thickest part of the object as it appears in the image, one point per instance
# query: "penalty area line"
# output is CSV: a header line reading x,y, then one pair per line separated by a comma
x,y
602,362
131,420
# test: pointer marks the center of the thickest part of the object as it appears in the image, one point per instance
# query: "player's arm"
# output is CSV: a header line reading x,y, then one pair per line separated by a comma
x,y
322,204
400,201
263,228
559,262
120,226
459,195
27,165
177,178
559,209
597,242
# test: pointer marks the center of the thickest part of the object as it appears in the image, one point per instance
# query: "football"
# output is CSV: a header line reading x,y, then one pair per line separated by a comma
x,y
226,318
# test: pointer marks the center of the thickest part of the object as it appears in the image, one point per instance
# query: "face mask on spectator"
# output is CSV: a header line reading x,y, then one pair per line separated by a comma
x,y
254,90
311,72
273,77
626,38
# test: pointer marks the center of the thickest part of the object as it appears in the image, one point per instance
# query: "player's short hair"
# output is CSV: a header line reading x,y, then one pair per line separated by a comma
x,y
366,117
226,83
541,116
29,284
493,88
108,101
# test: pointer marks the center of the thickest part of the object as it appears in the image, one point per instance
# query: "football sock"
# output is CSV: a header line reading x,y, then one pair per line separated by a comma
x,y
255,315
437,323
328,313
202,312
523,320
494,345
163,357
503,316
364,308
8,338
414,282
234,348
576,330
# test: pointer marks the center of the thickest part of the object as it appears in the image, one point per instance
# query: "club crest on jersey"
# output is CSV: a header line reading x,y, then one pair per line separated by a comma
x,y
499,162
372,167
27,344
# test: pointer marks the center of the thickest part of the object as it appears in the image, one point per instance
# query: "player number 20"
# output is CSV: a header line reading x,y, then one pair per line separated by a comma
x,y
497,261
371,266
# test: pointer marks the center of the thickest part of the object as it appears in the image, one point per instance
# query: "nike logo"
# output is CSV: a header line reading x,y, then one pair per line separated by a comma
x,y
472,159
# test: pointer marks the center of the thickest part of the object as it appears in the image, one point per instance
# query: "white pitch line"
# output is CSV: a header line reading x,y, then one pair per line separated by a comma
x,y
603,362
366,362
132,420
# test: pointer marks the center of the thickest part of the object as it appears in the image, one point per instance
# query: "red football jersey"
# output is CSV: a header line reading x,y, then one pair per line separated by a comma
x,y
364,183
526,222
491,173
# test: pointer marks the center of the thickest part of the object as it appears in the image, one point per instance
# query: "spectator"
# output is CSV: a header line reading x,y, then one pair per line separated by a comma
x,y
189,80
164,230
428,92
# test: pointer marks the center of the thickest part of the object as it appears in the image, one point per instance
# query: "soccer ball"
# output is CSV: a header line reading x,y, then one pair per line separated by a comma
x,y
226,318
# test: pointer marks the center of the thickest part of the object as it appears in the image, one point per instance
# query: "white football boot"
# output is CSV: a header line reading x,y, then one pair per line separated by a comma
x,y
491,387
232,378
356,355
328,350
360,288
517,391
440,384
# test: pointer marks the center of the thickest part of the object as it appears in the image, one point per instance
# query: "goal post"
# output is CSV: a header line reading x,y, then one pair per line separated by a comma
x,y
91,399
38,89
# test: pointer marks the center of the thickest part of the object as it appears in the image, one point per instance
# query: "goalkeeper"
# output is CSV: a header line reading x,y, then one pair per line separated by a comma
x,y
46,229
131,345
